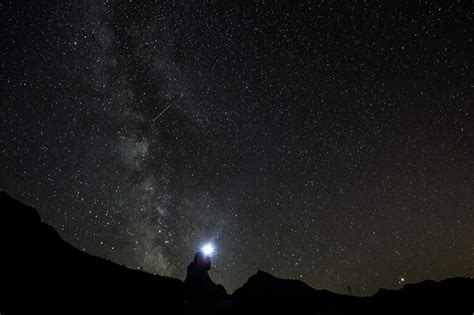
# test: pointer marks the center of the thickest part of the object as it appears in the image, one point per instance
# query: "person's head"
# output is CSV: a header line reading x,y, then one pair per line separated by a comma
x,y
203,259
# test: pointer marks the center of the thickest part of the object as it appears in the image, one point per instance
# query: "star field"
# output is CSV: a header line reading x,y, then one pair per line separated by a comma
x,y
324,141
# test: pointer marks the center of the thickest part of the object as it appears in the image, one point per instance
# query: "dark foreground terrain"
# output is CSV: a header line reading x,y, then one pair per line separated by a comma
x,y
42,274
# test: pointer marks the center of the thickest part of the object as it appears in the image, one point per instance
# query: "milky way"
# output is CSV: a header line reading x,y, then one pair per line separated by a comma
x,y
324,142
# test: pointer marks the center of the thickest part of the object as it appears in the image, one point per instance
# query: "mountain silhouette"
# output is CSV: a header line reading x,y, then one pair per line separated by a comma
x,y
44,273
267,292
41,273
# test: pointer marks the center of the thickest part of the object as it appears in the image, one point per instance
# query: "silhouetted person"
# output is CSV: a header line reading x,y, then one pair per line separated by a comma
x,y
199,288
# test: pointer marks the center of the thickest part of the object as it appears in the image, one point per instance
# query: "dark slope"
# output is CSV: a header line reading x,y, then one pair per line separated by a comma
x,y
454,296
264,291
40,273
43,273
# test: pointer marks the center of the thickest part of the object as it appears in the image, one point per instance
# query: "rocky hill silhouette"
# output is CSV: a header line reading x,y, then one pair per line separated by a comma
x,y
44,273
41,273
265,292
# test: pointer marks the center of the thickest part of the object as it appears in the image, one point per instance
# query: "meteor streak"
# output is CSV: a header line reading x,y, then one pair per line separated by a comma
x,y
162,112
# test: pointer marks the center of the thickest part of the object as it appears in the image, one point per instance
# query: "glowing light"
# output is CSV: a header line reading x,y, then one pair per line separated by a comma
x,y
208,249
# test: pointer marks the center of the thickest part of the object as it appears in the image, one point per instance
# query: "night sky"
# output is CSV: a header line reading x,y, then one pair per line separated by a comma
x,y
323,141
